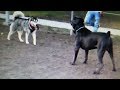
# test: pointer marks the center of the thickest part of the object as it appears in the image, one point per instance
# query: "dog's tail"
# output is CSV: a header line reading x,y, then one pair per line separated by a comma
x,y
108,33
18,14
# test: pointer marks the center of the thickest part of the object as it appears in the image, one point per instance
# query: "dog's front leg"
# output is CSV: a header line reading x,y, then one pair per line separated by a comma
x,y
75,56
34,37
26,37
86,56
76,50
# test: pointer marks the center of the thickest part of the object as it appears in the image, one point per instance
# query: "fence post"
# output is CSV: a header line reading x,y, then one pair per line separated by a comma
x,y
6,18
72,13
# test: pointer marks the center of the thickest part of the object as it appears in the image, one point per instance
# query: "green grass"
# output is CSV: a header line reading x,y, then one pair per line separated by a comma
x,y
52,15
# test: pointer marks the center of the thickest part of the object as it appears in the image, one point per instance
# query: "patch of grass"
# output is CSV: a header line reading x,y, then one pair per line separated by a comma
x,y
52,15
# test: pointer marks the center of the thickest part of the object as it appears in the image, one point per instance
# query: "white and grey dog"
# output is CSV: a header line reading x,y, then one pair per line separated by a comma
x,y
20,24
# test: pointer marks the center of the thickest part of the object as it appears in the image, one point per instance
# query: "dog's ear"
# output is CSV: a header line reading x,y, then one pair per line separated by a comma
x,y
37,19
74,17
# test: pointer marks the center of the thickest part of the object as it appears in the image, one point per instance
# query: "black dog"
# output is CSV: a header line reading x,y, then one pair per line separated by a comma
x,y
88,40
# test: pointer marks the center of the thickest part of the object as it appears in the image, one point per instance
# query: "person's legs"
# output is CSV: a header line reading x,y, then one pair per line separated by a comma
x,y
89,18
97,21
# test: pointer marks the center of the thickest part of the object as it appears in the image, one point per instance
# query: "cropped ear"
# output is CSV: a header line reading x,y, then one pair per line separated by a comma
x,y
75,17
80,19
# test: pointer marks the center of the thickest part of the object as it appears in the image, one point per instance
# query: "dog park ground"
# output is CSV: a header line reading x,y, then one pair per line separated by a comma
x,y
51,57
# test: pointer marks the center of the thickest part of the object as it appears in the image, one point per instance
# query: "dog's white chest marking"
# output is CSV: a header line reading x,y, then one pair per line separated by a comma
x,y
33,23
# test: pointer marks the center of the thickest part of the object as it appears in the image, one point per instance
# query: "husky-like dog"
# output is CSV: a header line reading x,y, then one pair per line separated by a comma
x,y
20,24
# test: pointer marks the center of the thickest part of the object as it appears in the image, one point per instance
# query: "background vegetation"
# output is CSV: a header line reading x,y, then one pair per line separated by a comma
x,y
108,20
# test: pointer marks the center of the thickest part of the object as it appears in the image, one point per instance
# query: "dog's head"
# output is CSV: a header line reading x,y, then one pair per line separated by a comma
x,y
34,19
76,23
33,23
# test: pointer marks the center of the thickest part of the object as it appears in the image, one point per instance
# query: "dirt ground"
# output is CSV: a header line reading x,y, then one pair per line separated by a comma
x,y
50,58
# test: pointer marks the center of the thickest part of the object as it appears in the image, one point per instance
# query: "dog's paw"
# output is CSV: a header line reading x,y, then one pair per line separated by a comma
x,y
34,44
96,72
84,62
114,70
8,38
27,42
21,40
72,63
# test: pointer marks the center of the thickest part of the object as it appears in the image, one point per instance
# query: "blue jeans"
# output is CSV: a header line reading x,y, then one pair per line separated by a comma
x,y
93,19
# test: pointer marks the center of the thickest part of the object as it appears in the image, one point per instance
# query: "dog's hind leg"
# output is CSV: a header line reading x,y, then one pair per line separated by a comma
x,y
9,34
20,35
11,31
100,58
34,37
110,51
86,56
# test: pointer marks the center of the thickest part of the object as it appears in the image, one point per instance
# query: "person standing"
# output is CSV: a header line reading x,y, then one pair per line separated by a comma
x,y
92,18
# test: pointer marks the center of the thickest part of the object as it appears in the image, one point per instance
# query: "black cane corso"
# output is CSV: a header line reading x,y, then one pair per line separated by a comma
x,y
88,40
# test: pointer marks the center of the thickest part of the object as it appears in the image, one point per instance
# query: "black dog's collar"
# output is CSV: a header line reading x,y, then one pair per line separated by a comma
x,y
79,29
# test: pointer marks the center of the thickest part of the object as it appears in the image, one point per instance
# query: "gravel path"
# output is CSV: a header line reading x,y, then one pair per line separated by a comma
x,y
50,58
